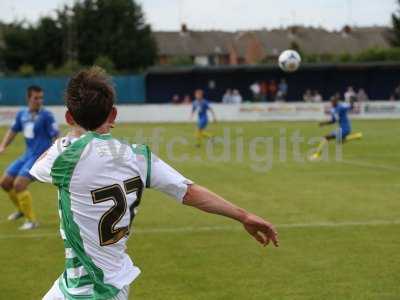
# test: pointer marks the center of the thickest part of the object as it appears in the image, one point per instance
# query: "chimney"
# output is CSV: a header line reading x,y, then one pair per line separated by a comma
x,y
184,28
346,30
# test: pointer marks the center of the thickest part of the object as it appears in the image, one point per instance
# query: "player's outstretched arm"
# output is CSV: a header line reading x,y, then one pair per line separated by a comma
x,y
205,200
213,115
7,140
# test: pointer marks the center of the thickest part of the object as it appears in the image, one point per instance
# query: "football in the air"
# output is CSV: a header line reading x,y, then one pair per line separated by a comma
x,y
289,61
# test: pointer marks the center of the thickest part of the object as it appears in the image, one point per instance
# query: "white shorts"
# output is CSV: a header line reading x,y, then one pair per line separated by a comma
x,y
56,294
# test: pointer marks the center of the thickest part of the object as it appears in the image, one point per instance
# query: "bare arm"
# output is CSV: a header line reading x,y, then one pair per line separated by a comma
x,y
192,112
7,140
205,200
213,115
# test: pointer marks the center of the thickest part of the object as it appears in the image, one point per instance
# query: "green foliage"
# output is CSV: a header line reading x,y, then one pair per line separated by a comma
x,y
26,70
113,31
113,28
47,46
18,41
345,57
106,63
373,54
181,61
369,55
70,67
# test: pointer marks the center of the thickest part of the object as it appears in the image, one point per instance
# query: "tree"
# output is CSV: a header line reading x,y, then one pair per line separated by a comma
x,y
17,44
395,37
26,70
36,46
47,47
82,33
114,29
105,63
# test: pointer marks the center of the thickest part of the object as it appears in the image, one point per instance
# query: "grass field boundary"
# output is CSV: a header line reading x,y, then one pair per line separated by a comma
x,y
217,228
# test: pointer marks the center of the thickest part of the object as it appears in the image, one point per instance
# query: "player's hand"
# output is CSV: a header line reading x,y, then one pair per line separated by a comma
x,y
2,149
263,231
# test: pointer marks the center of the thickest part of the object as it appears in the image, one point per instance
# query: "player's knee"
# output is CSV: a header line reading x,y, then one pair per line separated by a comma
x,y
20,186
6,184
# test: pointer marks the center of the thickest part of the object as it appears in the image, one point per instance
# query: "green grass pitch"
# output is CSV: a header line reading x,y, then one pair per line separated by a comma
x,y
339,224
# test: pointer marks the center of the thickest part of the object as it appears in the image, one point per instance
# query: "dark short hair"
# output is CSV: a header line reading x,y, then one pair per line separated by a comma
x,y
33,88
90,97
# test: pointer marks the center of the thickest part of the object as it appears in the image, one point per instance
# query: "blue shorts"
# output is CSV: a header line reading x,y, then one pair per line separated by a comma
x,y
341,134
202,124
22,166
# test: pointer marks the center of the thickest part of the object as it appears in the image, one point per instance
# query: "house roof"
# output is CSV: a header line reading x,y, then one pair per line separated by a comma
x,y
193,43
311,40
320,41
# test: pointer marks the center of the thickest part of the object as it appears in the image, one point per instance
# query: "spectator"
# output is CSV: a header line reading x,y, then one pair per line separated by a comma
x,y
256,89
350,95
227,98
273,88
308,96
280,97
396,94
362,96
283,89
187,99
264,91
175,99
236,97
316,97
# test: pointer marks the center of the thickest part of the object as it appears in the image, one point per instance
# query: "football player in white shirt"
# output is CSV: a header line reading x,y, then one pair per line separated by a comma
x,y
100,181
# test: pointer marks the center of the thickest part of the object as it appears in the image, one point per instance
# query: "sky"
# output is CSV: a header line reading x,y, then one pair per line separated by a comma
x,y
232,14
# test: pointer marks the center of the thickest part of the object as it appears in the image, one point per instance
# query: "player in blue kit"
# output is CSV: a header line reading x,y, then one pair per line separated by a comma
x,y
339,114
39,129
202,106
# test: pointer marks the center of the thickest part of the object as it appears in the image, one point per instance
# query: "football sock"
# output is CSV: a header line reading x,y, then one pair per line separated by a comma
x,y
321,146
202,134
199,136
206,134
13,197
25,201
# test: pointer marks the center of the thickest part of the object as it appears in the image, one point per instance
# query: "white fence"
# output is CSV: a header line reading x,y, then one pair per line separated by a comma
x,y
231,113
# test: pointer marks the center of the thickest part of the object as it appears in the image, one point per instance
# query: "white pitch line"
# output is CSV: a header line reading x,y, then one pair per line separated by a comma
x,y
370,165
215,228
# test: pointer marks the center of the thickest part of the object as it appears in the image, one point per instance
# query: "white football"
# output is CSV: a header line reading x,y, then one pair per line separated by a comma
x,y
289,61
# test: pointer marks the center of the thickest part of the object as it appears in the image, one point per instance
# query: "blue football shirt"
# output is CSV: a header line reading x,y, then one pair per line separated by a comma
x,y
39,130
202,108
340,115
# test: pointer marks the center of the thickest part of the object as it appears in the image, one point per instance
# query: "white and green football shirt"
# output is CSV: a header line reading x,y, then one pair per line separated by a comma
x,y
100,182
